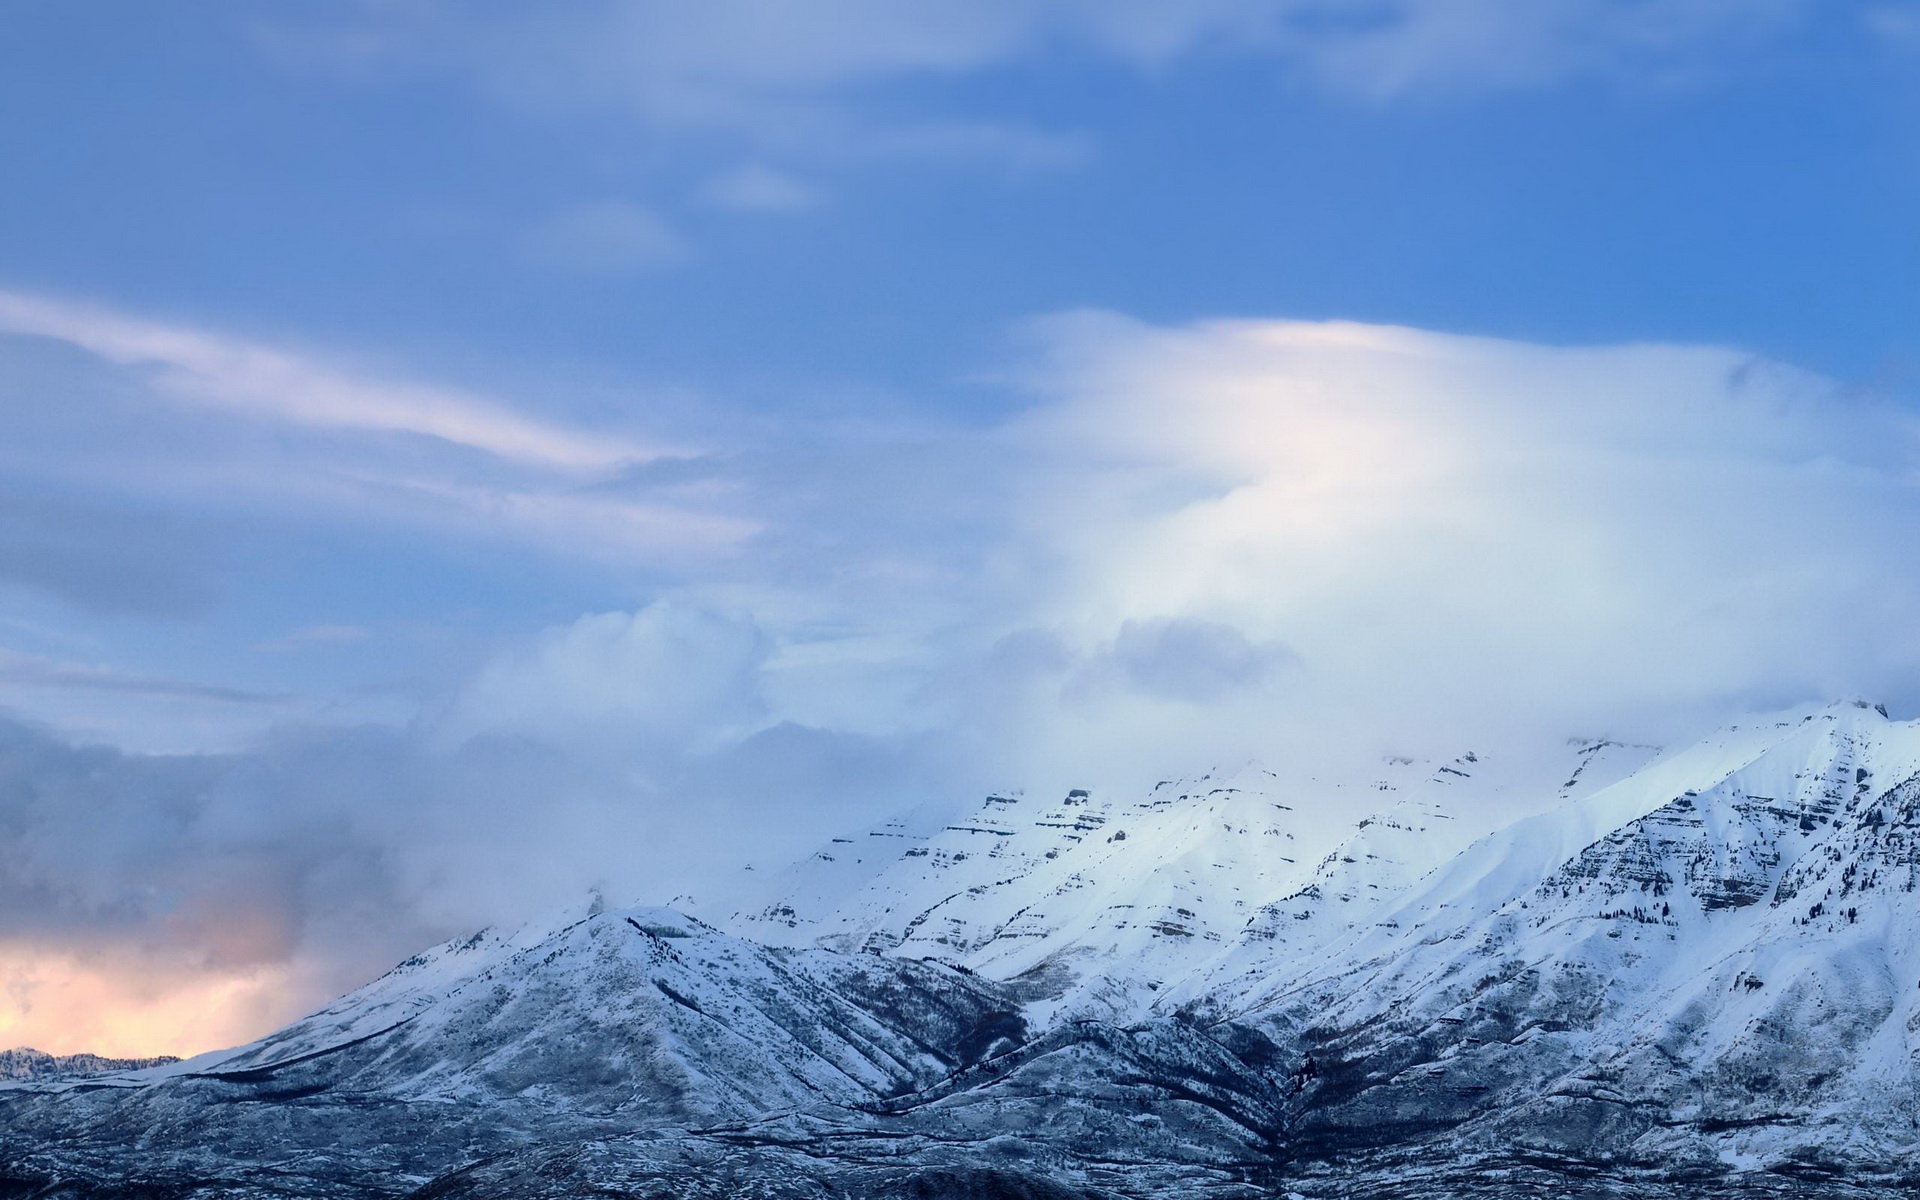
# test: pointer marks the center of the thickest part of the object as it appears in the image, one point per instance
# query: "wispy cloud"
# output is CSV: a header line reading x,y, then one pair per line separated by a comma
x,y
263,383
1290,540
591,522
773,67
1410,47
1461,537
133,507
317,635
755,187
36,671
606,237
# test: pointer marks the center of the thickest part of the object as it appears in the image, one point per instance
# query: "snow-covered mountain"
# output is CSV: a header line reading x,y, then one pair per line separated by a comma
x,y
1092,905
24,1062
1691,970
1713,962
636,1020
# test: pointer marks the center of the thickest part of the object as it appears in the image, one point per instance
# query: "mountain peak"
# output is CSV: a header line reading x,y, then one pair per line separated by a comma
x,y
1678,970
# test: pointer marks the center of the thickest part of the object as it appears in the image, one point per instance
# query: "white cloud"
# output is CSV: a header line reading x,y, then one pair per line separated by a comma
x,y
267,384
610,528
765,64
18,670
1415,46
1460,537
606,237
1265,538
1180,658
1897,24
757,188
120,494
671,674
317,635
1013,147
1221,531
1286,540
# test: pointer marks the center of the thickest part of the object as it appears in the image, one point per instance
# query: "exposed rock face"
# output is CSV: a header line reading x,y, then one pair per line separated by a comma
x,y
1666,994
1702,978
1093,906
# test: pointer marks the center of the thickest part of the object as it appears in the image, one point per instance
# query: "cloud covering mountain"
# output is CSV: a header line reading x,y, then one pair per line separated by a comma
x,y
1685,971
1186,545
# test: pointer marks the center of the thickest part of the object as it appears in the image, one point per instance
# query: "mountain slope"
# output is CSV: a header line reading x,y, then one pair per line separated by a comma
x,y
1701,977
1093,907
630,1020
1683,969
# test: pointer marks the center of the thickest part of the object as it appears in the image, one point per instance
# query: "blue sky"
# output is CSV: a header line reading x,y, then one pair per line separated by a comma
x,y
306,172
676,421
746,229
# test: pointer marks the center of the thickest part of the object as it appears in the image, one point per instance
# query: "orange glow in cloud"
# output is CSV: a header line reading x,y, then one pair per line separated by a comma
x,y
65,1005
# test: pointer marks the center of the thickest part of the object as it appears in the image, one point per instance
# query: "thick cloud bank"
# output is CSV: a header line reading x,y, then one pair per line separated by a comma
x,y
1455,536
1276,540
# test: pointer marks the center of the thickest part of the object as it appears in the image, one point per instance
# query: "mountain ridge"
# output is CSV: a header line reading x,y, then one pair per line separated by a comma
x,y
1693,967
24,1062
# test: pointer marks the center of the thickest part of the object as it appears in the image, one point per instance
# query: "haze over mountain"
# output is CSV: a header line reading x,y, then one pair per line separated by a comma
x,y
1690,969
1354,542
1130,593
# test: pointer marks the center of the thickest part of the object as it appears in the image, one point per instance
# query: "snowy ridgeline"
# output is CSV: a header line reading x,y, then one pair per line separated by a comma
x,y
1696,969
24,1062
